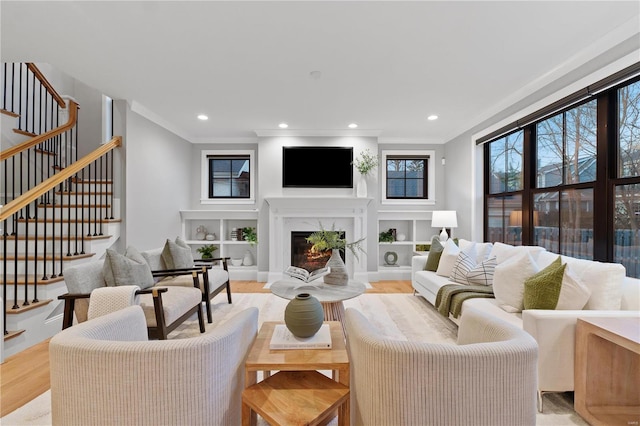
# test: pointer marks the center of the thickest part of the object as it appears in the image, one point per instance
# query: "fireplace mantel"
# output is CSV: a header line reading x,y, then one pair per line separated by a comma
x,y
287,214
317,202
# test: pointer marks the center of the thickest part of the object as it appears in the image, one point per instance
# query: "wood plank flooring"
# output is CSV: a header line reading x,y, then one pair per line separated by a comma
x,y
25,376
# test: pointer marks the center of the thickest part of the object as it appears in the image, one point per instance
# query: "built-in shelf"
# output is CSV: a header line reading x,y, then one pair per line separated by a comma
x,y
221,223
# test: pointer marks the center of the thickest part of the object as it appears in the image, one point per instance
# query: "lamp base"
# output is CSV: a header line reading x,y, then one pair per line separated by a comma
x,y
443,235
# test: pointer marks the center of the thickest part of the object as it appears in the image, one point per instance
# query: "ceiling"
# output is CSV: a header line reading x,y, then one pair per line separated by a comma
x,y
383,65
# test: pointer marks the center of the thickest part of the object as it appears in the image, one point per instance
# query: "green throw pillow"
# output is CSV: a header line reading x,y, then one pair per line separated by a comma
x,y
542,290
434,255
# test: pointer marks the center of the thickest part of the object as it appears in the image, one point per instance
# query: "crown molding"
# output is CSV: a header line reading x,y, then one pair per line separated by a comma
x,y
318,132
140,109
226,140
411,141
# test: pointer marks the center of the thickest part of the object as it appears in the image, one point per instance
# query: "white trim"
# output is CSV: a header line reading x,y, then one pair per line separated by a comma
x,y
204,176
317,132
431,176
140,109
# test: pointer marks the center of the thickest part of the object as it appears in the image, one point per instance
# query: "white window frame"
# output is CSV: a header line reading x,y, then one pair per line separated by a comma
x,y
204,176
431,177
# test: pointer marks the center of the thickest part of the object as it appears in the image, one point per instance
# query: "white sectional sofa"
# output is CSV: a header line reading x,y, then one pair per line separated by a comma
x,y
612,295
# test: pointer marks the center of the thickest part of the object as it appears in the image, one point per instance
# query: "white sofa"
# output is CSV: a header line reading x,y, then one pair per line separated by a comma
x,y
554,330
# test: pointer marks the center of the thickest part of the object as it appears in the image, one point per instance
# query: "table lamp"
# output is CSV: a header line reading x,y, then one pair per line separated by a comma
x,y
444,219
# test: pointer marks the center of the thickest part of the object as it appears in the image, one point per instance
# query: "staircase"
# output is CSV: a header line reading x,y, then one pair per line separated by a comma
x,y
57,210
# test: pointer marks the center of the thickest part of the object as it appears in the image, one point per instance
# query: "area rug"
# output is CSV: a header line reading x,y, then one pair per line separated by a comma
x,y
397,316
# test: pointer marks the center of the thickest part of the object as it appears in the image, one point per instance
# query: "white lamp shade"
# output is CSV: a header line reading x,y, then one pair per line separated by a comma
x,y
444,219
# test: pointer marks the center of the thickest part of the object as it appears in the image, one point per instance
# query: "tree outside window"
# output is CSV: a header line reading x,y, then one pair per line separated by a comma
x,y
406,177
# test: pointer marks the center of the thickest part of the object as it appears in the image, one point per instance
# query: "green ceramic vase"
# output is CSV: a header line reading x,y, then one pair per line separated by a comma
x,y
303,315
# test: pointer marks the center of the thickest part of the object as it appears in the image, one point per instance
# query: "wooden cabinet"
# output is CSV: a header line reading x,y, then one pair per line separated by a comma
x,y
219,225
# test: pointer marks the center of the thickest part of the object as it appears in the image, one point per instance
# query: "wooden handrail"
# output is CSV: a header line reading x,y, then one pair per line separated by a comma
x,y
37,191
16,149
34,69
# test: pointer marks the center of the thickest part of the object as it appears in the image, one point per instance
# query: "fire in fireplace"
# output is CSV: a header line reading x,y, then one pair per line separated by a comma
x,y
301,255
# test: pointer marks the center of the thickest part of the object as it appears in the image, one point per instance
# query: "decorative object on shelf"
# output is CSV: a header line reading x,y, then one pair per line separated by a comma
x,y
423,247
236,262
234,234
250,235
386,237
247,260
207,251
401,237
390,258
211,237
364,164
304,315
201,232
323,240
444,219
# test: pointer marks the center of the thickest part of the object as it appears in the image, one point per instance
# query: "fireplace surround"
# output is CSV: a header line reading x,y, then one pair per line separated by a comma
x,y
305,214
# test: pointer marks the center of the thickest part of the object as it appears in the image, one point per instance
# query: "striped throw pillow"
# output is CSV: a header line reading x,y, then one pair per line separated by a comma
x,y
465,262
482,273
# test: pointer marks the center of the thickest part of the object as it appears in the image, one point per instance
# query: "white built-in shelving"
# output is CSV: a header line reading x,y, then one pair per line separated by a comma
x,y
220,223
413,228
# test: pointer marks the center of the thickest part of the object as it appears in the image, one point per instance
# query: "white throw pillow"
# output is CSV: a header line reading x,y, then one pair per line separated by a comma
x,y
465,262
502,251
448,258
603,279
508,281
482,249
574,294
482,273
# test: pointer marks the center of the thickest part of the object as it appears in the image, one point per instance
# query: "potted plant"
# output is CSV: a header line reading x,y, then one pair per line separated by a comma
x,y
250,235
364,164
207,251
332,239
386,236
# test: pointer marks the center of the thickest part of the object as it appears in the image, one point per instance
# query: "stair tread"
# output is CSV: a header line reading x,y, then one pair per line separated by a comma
x,y
84,192
21,308
25,133
47,258
12,333
9,113
72,206
10,280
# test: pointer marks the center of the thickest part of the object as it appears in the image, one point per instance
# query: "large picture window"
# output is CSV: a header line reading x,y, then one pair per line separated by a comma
x,y
569,183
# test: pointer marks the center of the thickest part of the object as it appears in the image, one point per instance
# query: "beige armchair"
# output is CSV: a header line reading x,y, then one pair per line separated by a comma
x,y
105,372
488,378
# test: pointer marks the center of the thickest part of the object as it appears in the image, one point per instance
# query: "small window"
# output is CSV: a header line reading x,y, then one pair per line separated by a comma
x,y
227,175
407,176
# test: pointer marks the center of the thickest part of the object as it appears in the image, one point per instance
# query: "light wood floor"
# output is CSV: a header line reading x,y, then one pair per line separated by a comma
x,y
24,376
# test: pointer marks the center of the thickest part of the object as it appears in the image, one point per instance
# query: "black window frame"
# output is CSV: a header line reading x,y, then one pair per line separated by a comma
x,y
425,179
243,157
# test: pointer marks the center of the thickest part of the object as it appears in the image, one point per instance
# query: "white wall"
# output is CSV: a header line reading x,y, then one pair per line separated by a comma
x,y
460,185
158,182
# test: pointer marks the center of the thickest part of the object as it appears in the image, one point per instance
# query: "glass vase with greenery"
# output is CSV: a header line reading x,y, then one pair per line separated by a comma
x,y
365,162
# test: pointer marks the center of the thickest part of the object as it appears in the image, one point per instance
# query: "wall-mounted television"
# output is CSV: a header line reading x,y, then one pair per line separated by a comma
x,y
317,167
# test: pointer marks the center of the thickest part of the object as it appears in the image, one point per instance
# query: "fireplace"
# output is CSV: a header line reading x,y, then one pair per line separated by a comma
x,y
301,255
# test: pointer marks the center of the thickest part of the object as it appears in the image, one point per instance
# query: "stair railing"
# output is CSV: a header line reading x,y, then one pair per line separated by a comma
x,y
28,96
70,221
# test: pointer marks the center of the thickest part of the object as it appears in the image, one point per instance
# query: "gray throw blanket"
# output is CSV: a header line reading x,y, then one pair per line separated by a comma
x,y
451,296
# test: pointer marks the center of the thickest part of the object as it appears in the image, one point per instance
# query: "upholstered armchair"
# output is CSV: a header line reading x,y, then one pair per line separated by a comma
x,y
105,372
487,378
165,307
175,258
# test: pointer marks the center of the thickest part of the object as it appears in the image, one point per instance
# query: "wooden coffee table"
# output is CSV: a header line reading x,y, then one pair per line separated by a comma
x,y
316,398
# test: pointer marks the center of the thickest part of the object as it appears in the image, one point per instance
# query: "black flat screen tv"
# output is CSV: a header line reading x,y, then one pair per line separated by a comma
x,y
317,167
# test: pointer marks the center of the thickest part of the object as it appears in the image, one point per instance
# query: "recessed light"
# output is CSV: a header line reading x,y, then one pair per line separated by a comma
x,y
283,125
432,117
353,125
202,117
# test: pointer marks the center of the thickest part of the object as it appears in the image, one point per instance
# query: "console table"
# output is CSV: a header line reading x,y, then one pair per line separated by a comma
x,y
607,370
